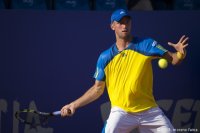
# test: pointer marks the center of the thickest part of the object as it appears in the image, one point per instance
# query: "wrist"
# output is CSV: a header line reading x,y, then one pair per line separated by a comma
x,y
74,105
180,56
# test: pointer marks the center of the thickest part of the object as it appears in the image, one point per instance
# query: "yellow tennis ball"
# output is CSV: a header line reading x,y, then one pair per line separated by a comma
x,y
162,63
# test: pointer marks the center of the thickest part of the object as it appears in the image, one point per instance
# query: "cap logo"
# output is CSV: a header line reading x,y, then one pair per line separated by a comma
x,y
121,12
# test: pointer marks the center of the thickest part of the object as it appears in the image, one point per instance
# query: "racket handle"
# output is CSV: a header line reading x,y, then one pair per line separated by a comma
x,y
56,113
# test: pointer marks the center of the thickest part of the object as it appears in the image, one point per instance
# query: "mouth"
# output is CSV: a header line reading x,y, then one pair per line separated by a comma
x,y
125,30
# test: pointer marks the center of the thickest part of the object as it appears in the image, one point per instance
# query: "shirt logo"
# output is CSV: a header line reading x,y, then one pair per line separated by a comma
x,y
154,43
123,54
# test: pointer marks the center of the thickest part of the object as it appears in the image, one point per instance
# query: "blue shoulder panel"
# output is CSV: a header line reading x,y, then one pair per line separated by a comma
x,y
148,46
104,58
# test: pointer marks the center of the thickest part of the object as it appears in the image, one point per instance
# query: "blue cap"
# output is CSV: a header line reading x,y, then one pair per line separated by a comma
x,y
119,14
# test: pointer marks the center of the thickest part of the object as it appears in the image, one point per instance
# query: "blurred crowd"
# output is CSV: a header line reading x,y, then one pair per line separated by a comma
x,y
105,5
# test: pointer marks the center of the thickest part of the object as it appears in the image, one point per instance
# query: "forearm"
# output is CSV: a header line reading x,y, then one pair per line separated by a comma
x,y
91,95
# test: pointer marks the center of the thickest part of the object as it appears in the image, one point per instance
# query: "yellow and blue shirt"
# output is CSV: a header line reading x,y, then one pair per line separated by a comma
x,y
128,74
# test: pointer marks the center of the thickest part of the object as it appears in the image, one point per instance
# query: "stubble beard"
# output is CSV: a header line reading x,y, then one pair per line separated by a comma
x,y
125,37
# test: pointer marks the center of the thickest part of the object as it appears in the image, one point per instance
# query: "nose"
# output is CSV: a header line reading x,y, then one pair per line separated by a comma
x,y
124,26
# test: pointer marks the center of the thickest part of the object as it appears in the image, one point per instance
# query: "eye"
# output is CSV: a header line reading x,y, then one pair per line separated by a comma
x,y
124,20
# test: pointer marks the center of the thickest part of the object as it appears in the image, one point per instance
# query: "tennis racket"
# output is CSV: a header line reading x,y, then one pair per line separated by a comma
x,y
35,118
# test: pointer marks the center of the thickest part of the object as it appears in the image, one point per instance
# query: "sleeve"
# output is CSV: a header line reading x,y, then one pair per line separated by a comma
x,y
99,73
153,48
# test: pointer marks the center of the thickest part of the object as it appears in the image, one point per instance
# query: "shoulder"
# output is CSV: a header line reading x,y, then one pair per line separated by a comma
x,y
108,53
145,40
144,43
150,47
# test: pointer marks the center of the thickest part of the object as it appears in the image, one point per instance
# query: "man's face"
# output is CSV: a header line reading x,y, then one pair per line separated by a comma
x,y
122,28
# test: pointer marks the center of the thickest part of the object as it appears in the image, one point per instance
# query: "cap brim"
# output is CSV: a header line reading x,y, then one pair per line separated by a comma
x,y
119,18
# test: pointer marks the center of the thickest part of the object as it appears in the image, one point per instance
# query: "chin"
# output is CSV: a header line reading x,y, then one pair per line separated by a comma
x,y
125,35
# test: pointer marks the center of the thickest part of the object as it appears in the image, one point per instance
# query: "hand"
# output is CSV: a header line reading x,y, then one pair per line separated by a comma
x,y
181,45
68,110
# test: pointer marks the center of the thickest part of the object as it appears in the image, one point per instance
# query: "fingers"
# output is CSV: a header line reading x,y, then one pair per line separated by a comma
x,y
67,111
181,39
181,45
171,44
185,45
183,50
185,40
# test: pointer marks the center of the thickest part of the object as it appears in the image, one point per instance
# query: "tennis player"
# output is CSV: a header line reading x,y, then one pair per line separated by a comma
x,y
126,70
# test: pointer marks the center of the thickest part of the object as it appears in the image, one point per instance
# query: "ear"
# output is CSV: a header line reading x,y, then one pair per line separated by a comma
x,y
112,26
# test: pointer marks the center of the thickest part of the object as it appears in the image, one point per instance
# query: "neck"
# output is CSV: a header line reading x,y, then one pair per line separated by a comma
x,y
123,43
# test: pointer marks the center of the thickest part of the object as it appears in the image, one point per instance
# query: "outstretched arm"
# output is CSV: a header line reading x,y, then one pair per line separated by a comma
x,y
92,94
180,47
